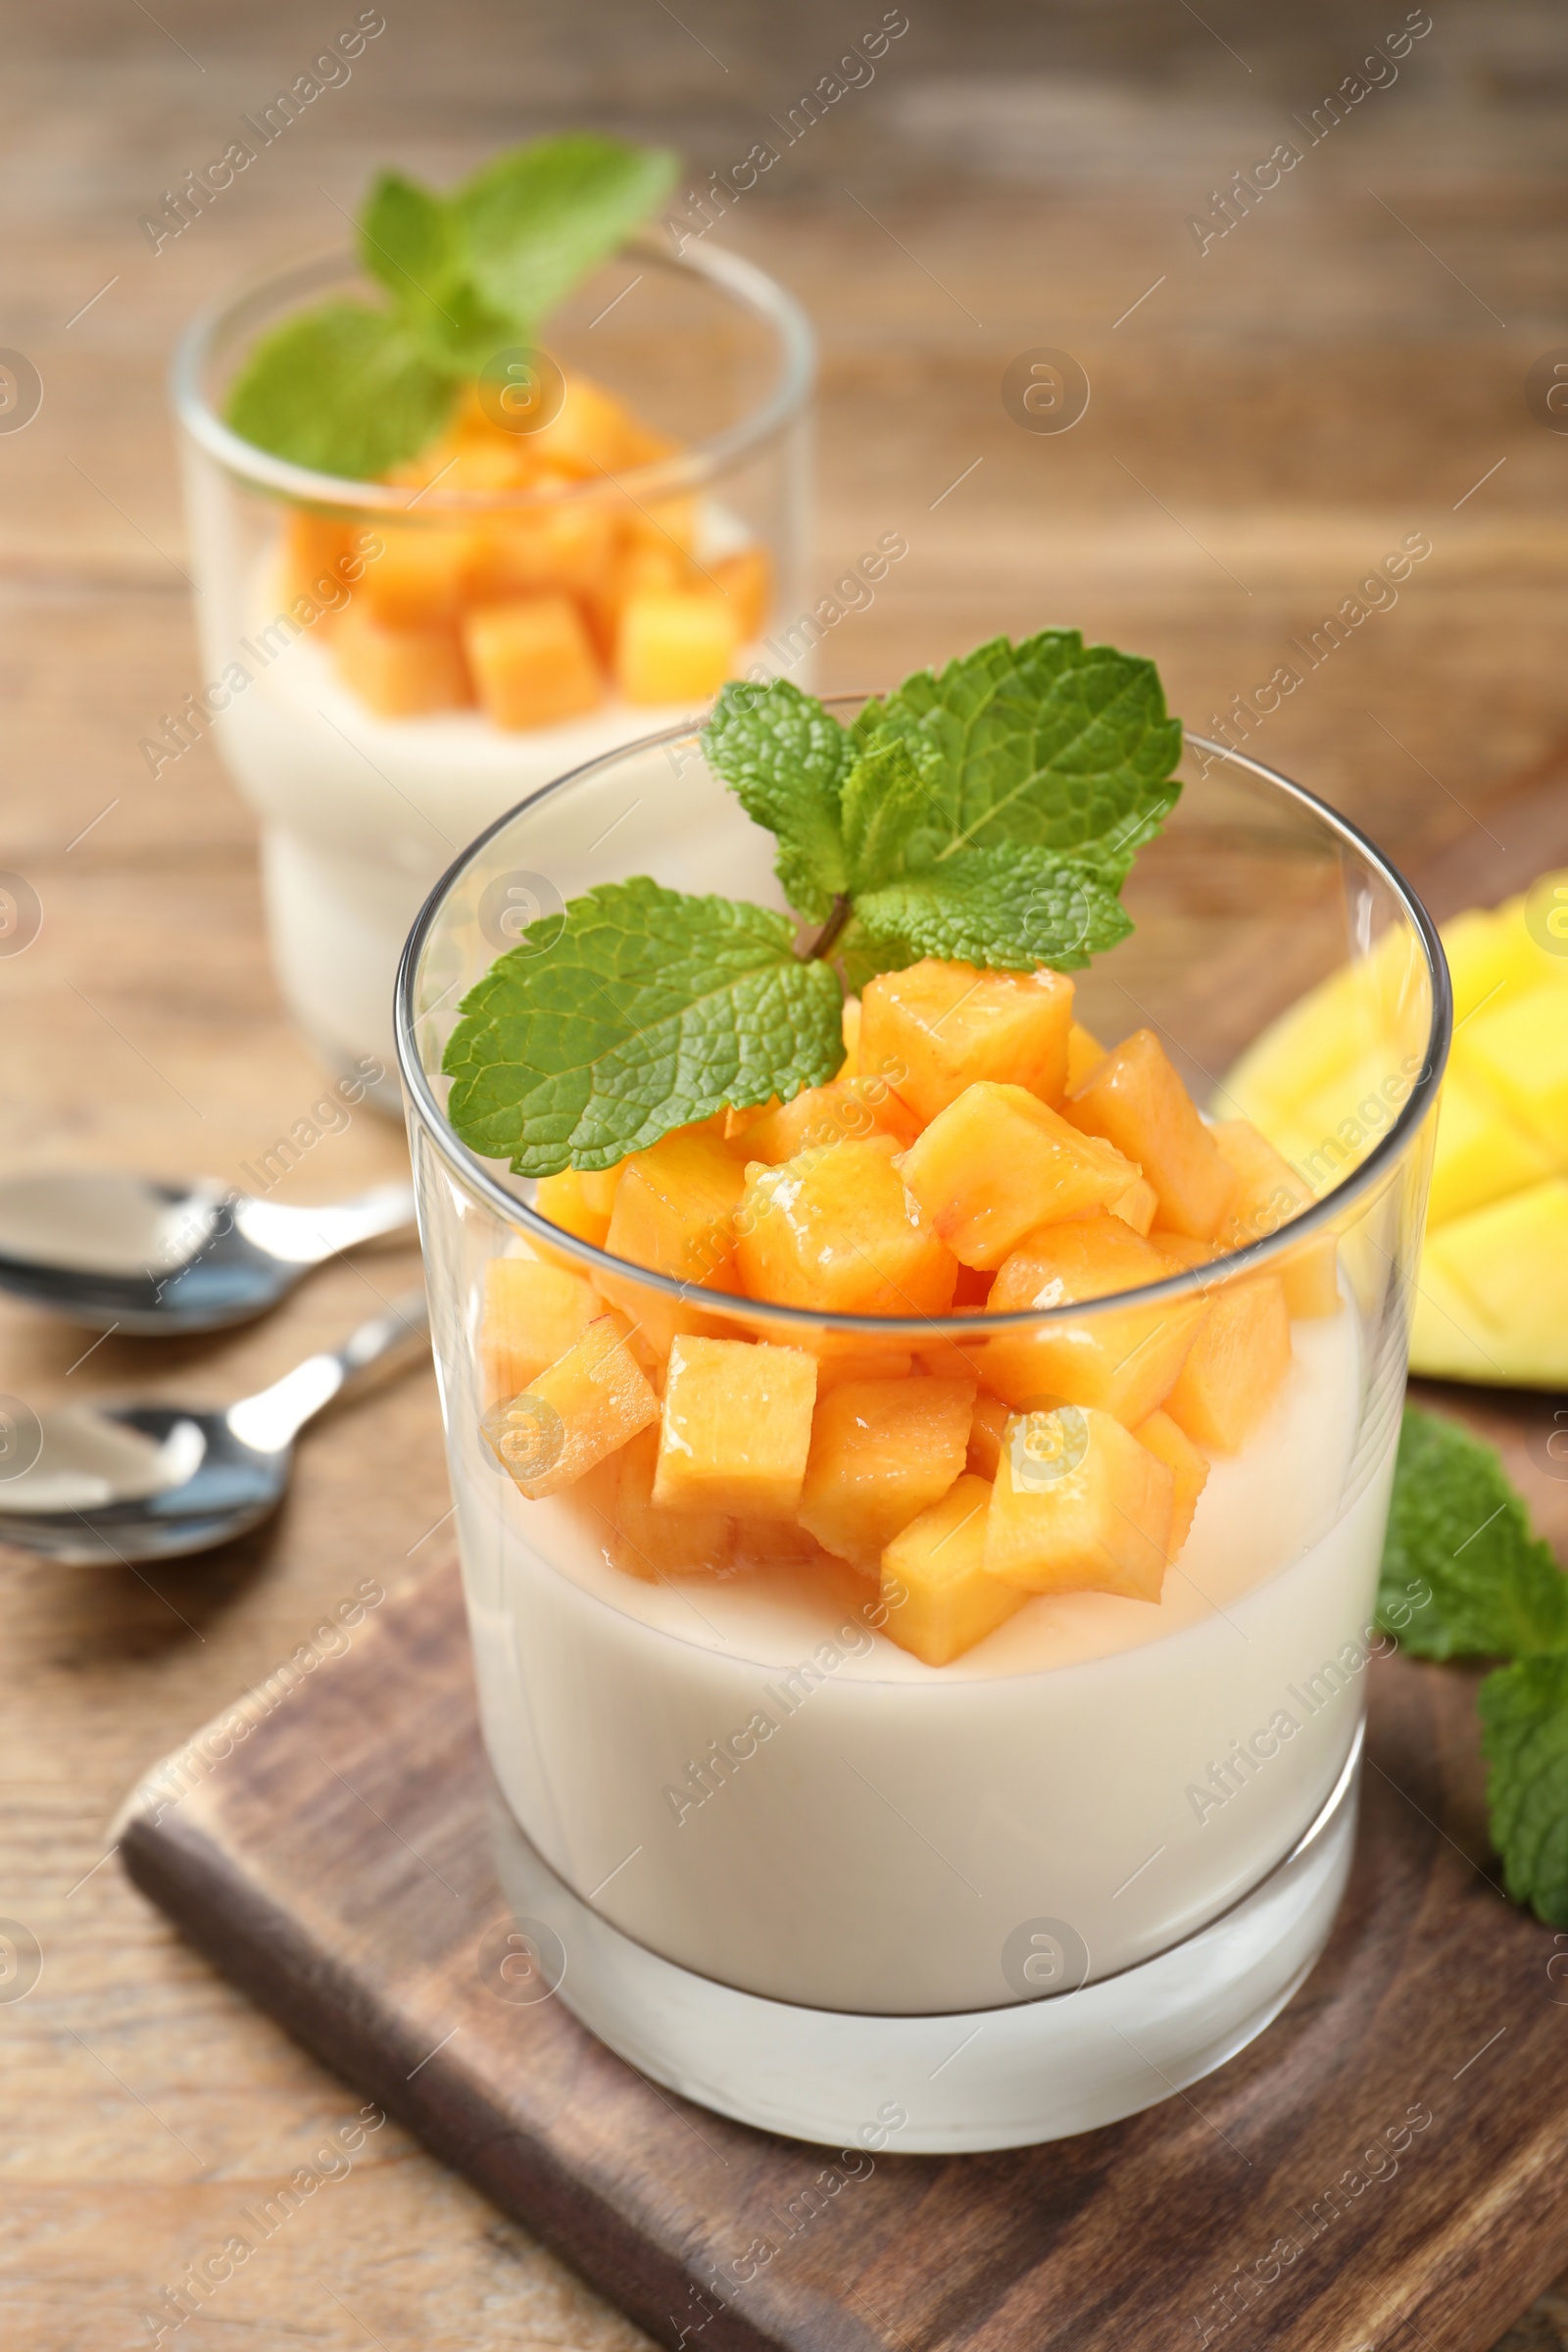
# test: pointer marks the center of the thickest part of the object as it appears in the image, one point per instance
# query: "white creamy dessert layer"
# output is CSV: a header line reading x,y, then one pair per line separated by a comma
x,y
744,1775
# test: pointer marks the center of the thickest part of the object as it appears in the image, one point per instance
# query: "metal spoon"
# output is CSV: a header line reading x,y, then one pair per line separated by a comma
x,y
120,1252
146,1481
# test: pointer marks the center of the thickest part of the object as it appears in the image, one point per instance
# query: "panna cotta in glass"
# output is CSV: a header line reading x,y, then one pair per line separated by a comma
x,y
920,1538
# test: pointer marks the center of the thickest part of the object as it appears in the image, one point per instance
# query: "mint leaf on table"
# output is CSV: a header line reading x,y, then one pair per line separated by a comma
x,y
1050,742
1457,1528
785,759
343,390
642,1010
468,275
534,222
1524,1737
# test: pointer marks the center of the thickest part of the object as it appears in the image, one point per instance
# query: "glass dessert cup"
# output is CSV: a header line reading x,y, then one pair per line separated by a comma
x,y
776,1860
360,813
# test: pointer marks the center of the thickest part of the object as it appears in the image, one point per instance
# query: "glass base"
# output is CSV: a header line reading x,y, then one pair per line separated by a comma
x,y
937,2085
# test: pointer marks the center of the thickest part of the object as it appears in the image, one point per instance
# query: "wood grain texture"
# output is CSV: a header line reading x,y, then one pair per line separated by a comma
x,y
336,1866
1276,414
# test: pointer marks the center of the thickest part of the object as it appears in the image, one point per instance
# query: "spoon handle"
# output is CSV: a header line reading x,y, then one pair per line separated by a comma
x,y
305,1237
269,1420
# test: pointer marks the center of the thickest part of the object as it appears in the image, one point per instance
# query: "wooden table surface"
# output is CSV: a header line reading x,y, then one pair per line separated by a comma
x,y
1269,417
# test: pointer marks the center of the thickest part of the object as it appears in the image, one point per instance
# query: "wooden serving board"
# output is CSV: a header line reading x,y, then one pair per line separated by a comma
x,y
336,1866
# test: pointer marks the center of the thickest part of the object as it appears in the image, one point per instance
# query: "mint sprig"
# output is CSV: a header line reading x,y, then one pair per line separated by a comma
x,y
640,1010
349,390
1463,1576
938,831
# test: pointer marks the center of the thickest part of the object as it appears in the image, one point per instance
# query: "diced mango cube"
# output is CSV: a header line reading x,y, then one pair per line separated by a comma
x,y
402,671
988,1427
591,433
652,1543
566,1201
859,1360
997,1162
636,569
675,645
1482,1155
1517,1054
532,662
1079,1506
532,1314
938,1599
746,579
1189,1470
938,1027
1183,1250
1123,1360
1271,1194
1135,1100
574,1413
837,1230
1137,1207
881,1452
1084,1052
736,1429
314,546
674,1208
419,577
567,544
821,1115
1236,1365
777,1543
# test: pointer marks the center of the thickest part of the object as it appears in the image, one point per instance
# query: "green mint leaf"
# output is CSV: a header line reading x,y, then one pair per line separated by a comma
x,y
1049,743
410,240
785,759
1011,908
893,810
1524,1737
640,1010
343,390
534,222
1463,1575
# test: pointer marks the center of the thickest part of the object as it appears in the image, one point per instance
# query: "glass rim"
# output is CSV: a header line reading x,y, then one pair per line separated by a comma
x,y
750,288
1257,1257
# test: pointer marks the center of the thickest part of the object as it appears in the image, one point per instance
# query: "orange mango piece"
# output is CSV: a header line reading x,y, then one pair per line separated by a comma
x,y
1271,1194
576,1202
1236,1365
997,1162
674,1208
844,1110
736,1428
567,545
859,1359
647,1540
988,1427
745,581
837,1231
938,1027
533,665
314,546
532,1314
881,1451
402,671
591,433
574,1413
421,574
1189,1470
1084,1052
1121,1361
674,645
1135,1100
637,568
1078,1506
940,1601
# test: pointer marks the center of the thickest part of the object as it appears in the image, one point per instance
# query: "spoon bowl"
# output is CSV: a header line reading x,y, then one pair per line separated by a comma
x,y
106,1483
117,1251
